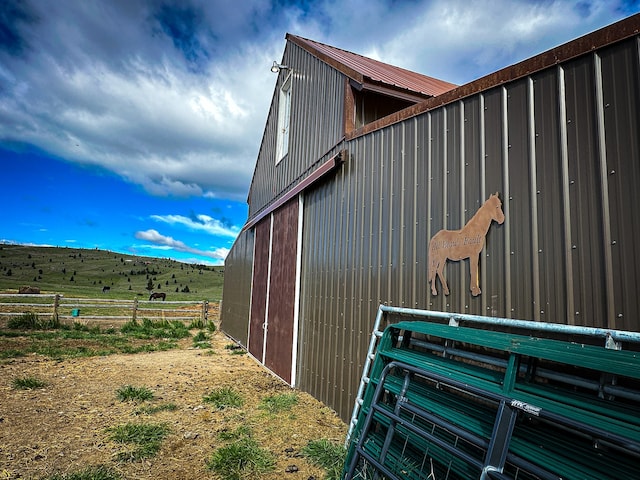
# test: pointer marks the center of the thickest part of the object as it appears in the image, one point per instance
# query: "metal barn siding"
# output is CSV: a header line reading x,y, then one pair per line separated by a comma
x,y
237,288
316,126
561,147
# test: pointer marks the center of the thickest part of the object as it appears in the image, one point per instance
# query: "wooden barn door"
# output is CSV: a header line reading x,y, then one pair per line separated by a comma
x,y
273,297
259,288
282,291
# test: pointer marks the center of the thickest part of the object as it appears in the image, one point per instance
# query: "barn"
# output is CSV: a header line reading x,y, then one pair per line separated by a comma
x,y
361,164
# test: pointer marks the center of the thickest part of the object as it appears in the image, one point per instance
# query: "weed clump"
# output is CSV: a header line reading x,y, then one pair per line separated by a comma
x,y
31,321
224,397
240,460
278,403
144,439
129,392
328,455
27,383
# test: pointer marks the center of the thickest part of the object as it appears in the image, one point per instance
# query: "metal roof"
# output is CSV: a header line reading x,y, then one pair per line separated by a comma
x,y
367,71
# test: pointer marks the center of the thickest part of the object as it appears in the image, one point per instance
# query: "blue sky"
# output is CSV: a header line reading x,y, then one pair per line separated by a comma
x,y
134,125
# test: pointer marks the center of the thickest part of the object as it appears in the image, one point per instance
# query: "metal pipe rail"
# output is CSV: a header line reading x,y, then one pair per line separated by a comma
x,y
612,338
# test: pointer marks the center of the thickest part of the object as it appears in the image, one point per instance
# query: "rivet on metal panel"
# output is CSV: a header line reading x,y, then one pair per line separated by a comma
x,y
612,172
540,251
577,313
538,192
573,247
512,253
572,182
619,315
613,242
542,312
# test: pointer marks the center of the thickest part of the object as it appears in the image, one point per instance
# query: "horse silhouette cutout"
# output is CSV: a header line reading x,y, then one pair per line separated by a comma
x,y
467,242
161,295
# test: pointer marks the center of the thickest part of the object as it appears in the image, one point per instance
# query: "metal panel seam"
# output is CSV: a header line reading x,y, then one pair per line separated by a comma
x,y
604,193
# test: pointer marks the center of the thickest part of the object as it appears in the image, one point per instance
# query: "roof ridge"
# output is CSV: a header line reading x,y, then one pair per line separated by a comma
x,y
361,68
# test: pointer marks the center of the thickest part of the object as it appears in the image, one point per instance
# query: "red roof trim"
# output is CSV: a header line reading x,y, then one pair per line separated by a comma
x,y
366,70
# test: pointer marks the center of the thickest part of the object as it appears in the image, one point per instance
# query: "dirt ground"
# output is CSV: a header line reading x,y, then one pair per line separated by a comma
x,y
62,428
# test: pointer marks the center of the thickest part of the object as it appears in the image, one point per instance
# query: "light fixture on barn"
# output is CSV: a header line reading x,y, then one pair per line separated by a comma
x,y
276,67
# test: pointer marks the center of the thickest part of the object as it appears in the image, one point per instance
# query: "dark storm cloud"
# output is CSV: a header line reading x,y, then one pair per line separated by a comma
x,y
13,17
183,24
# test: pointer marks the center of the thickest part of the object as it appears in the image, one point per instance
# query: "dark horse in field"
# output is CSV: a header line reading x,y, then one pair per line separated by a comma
x,y
467,242
156,295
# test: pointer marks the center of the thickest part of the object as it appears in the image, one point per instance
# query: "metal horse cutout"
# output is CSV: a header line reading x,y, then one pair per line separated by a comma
x,y
467,242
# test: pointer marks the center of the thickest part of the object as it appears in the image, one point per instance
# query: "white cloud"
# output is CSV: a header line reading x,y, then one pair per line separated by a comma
x,y
202,223
165,242
104,83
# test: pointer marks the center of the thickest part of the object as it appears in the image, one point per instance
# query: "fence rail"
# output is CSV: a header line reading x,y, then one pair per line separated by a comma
x,y
98,309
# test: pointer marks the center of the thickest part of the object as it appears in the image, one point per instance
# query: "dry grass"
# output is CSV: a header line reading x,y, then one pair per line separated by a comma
x,y
64,427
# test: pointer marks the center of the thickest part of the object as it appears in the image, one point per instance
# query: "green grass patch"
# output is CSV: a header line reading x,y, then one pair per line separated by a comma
x,y
243,459
142,439
73,342
224,397
174,329
201,340
129,392
152,409
27,383
278,403
31,321
99,472
328,455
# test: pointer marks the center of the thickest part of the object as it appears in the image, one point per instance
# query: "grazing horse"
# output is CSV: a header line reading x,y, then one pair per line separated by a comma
x,y
161,295
106,289
465,243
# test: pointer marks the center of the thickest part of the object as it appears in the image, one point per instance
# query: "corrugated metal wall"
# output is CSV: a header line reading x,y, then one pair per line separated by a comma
x,y
237,287
562,148
317,100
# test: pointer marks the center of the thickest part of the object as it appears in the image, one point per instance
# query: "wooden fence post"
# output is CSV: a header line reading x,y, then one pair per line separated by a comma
x,y
204,314
135,309
56,304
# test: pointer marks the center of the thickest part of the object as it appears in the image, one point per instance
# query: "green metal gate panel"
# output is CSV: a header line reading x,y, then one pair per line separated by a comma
x,y
448,401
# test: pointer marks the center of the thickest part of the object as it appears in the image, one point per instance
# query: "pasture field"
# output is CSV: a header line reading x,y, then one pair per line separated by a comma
x,y
75,272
